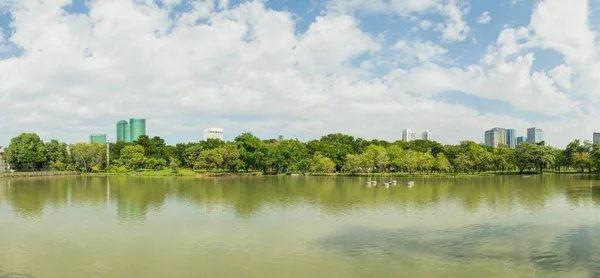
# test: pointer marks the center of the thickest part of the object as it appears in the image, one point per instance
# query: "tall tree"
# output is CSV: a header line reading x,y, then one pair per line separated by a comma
x,y
88,157
27,152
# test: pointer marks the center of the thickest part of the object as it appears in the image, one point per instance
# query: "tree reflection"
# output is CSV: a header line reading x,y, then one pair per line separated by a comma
x,y
134,197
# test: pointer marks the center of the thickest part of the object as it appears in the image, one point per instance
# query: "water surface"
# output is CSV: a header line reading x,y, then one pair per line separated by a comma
x,y
508,226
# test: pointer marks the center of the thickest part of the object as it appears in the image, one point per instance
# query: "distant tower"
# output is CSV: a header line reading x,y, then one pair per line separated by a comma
x,y
98,138
511,138
122,131
521,139
213,133
426,135
534,135
596,138
137,127
407,135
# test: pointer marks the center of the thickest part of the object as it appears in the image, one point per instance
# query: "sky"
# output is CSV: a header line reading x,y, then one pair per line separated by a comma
x,y
300,68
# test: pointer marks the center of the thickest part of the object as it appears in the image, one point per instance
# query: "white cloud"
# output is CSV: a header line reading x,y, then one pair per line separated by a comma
x,y
419,51
508,81
453,28
563,26
425,24
79,74
562,76
484,18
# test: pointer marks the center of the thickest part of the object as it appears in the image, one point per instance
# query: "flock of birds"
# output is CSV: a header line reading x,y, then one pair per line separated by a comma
x,y
372,183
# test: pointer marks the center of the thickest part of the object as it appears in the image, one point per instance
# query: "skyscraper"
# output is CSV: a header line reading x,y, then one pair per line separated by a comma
x,y
521,139
129,132
511,138
495,137
426,135
492,137
406,135
138,128
534,135
213,133
98,138
596,139
122,130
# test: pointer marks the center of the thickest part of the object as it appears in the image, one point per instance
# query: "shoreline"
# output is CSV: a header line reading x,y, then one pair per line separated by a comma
x,y
191,174
37,174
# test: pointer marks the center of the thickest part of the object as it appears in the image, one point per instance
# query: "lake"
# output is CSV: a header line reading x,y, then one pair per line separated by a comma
x,y
501,226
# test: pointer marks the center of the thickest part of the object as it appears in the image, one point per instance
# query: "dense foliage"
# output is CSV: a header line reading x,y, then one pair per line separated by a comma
x,y
331,153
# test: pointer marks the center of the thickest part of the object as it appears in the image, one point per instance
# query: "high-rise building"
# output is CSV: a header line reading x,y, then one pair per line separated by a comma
x,y
534,135
521,139
511,138
495,137
98,138
426,135
137,127
406,134
596,138
492,137
213,133
129,132
413,136
122,130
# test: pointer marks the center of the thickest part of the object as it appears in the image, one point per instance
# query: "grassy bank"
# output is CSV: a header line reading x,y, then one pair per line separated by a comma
x,y
37,174
192,173
179,173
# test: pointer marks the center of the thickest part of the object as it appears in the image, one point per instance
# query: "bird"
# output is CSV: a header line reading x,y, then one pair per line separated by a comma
x,y
386,185
410,183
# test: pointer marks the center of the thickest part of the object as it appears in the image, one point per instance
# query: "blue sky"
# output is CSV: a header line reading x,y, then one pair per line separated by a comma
x,y
299,68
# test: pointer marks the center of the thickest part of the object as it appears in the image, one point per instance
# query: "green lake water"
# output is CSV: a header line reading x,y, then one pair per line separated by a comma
x,y
503,226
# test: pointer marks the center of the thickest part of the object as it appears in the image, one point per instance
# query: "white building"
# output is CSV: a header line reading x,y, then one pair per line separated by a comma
x,y
213,133
407,134
426,135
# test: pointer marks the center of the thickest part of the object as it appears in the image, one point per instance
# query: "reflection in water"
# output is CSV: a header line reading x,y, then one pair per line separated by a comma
x,y
134,197
507,226
578,248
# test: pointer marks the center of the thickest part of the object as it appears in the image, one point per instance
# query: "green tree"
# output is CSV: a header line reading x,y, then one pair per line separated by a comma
x,y
334,146
212,143
525,156
581,160
231,157
322,164
287,156
375,158
463,163
442,164
543,157
88,156
395,156
27,152
57,152
209,159
251,150
425,162
353,164
133,157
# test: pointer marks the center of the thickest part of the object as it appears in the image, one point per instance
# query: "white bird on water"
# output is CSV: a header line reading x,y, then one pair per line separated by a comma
x,y
410,183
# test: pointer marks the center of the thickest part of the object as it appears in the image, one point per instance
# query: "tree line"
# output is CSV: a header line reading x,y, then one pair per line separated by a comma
x,y
333,153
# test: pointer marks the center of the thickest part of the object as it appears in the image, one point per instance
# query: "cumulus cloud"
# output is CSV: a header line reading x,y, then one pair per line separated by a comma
x,y
484,18
246,67
452,28
418,51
